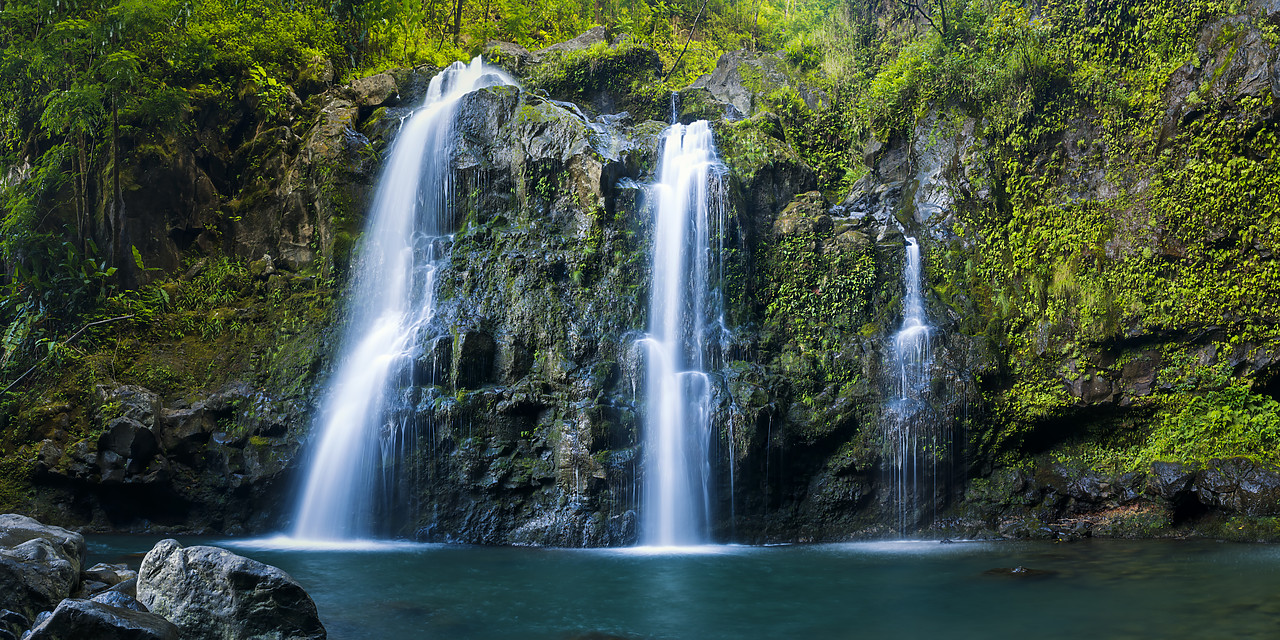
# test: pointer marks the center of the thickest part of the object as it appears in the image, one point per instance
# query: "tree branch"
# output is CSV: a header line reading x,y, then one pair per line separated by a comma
x,y
67,341
916,6
686,42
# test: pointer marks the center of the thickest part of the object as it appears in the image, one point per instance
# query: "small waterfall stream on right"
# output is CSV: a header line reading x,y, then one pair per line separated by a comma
x,y
915,438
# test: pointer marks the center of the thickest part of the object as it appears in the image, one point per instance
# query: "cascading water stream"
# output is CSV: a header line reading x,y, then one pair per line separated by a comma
x,y
392,302
684,309
911,434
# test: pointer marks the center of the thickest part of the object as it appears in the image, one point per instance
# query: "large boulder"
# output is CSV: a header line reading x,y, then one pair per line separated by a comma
x,y
510,56
83,619
16,529
213,594
39,565
374,91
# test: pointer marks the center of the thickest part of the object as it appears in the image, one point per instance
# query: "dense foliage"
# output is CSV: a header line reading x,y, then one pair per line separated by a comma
x,y
88,85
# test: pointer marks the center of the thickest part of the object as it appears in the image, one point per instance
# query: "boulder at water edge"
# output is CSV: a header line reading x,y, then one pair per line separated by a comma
x,y
39,565
213,594
83,619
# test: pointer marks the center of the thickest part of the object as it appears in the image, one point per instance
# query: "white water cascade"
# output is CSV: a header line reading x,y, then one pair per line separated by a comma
x,y
392,302
684,309
913,439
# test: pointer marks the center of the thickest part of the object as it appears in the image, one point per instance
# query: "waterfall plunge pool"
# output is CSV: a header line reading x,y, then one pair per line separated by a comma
x,y
908,589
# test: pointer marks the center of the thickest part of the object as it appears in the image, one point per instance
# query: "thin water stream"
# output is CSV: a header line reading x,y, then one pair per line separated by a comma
x,y
914,438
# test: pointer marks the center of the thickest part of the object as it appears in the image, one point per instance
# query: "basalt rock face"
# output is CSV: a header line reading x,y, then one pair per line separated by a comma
x,y
528,397
811,438
526,416
1039,390
220,463
250,180
527,392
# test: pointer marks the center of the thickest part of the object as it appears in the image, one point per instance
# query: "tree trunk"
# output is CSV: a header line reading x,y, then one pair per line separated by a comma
x,y
123,257
81,199
457,21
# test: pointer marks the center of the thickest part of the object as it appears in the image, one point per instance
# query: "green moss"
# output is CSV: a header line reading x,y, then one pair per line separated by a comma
x,y
629,71
15,480
817,288
747,146
1135,523
1244,529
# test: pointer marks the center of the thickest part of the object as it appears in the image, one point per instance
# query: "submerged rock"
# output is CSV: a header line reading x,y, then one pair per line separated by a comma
x,y
83,619
213,594
1019,572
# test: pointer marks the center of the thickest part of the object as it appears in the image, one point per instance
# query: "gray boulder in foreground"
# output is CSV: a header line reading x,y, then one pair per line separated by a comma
x,y
213,594
84,619
39,564
16,529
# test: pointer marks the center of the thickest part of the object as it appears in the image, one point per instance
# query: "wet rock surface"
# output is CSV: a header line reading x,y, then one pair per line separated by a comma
x,y
84,619
39,565
211,593
213,461
200,592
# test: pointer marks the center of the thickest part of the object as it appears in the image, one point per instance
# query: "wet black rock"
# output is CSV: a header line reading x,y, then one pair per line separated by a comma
x,y
109,574
13,624
1170,480
128,587
1239,485
119,599
86,619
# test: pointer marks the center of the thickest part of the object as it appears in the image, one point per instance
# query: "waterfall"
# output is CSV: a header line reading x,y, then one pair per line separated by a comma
x,y
362,424
914,438
684,312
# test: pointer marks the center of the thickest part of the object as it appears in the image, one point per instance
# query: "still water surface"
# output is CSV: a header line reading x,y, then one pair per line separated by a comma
x,y
1096,589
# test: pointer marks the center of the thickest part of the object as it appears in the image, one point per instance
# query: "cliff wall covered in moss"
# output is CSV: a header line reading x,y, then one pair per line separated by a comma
x,y
1092,184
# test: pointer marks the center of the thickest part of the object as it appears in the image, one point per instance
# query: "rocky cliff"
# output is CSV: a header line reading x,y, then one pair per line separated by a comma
x,y
1059,359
